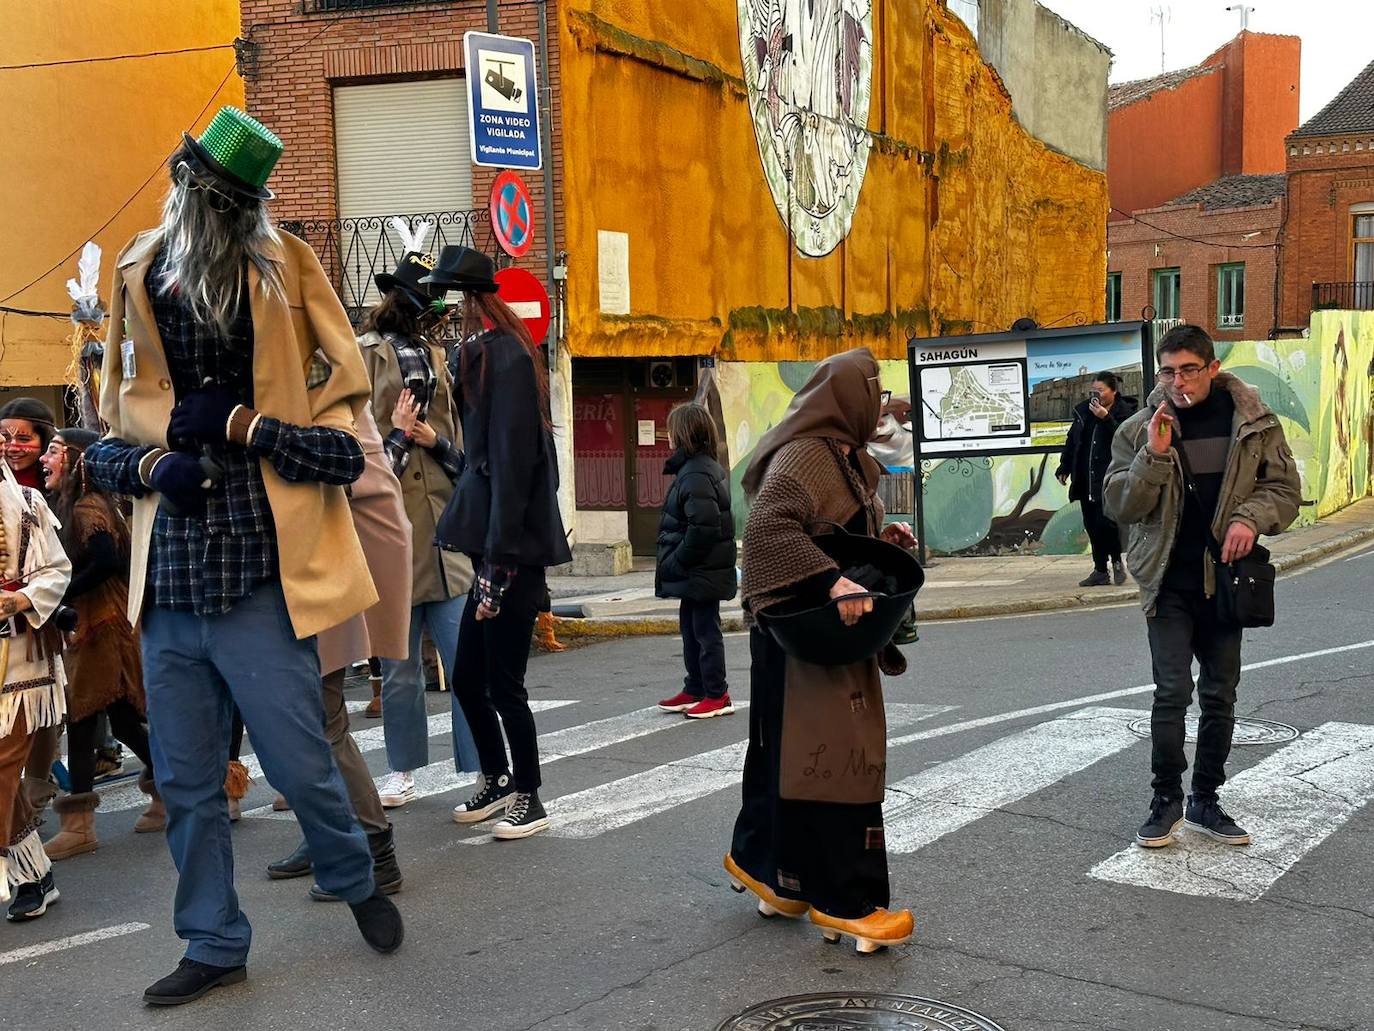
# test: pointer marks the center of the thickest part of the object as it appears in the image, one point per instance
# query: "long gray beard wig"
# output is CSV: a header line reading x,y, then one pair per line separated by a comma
x,y
208,251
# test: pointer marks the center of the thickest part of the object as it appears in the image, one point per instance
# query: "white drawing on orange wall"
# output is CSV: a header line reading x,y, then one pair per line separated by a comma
x,y
808,66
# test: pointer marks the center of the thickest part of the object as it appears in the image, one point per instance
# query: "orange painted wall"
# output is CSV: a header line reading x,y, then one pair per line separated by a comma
x,y
1259,102
85,135
965,221
1166,144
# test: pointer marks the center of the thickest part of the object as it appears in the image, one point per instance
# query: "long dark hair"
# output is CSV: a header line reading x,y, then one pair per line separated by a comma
x,y
76,487
394,314
480,306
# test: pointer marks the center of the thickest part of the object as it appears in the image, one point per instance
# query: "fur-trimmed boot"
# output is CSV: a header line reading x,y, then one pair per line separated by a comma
x,y
236,781
153,819
543,633
77,835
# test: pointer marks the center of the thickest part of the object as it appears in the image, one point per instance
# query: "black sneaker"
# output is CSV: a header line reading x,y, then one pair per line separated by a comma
x,y
1206,816
1118,573
494,795
380,923
189,981
1099,578
1166,816
525,816
32,899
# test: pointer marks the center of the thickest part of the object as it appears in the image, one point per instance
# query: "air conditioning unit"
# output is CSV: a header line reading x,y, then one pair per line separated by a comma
x,y
661,375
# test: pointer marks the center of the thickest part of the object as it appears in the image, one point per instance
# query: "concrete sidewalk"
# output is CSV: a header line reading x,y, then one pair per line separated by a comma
x,y
955,588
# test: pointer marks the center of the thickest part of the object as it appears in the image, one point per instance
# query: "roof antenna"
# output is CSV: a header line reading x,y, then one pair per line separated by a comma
x,y
1161,14
1244,15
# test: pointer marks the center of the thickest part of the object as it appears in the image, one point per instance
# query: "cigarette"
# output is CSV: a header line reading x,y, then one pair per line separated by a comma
x,y
1186,399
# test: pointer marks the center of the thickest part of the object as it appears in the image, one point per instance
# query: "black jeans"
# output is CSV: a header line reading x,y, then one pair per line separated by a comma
x,y
703,648
1185,625
83,738
1102,532
489,679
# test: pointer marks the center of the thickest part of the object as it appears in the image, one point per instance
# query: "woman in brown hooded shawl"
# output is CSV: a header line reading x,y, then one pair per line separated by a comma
x,y
809,836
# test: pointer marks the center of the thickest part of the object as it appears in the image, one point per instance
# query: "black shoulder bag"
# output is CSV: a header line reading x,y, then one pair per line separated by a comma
x,y
1245,587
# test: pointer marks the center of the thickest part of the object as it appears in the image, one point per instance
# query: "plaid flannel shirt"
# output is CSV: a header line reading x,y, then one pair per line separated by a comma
x,y
205,565
418,375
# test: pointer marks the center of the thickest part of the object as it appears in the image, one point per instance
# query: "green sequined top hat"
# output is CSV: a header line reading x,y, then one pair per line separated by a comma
x,y
239,151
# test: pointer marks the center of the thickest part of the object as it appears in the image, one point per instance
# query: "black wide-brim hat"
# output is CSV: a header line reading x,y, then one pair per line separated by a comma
x,y
462,268
408,277
818,635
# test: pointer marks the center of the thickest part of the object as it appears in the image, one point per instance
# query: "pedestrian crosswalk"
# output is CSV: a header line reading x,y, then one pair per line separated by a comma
x,y
1292,799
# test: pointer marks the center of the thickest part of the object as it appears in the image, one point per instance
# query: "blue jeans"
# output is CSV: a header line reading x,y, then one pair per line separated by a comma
x,y
404,718
196,669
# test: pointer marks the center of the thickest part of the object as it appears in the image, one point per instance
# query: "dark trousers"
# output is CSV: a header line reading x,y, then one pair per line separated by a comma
x,y
703,648
489,679
1185,625
83,738
1102,532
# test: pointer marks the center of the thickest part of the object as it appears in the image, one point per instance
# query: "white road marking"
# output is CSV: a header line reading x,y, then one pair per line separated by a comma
x,y
438,778
606,807
925,807
76,940
1290,803
1354,558
1103,696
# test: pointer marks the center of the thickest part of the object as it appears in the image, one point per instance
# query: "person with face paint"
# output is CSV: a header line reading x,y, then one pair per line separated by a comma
x,y
802,848
26,427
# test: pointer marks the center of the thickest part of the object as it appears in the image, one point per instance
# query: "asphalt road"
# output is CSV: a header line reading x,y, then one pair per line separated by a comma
x,y
1016,789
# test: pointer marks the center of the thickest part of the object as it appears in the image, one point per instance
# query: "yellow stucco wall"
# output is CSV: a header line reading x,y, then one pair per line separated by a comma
x,y
84,134
965,222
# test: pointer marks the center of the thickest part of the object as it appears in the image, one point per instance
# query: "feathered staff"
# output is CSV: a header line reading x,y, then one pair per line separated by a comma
x,y
88,316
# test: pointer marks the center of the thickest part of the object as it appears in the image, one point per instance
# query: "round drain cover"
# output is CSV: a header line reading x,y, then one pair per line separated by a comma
x,y
1248,731
857,1012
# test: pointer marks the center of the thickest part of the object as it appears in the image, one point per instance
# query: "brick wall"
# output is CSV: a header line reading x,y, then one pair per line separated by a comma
x,y
1326,178
297,58
1135,249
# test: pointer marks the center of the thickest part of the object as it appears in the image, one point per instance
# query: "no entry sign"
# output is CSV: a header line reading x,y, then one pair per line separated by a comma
x,y
512,214
527,298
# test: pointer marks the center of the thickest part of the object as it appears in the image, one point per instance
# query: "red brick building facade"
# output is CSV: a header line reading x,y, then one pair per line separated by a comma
x,y
1328,244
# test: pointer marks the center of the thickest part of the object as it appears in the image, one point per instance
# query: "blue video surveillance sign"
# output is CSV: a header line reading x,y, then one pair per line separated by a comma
x,y
503,101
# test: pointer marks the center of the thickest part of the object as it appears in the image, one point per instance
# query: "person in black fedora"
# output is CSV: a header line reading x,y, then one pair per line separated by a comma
x,y
805,842
412,399
504,516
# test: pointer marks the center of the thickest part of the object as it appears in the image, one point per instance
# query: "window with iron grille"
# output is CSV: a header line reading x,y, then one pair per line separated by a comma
x,y
1166,293
1113,296
1231,296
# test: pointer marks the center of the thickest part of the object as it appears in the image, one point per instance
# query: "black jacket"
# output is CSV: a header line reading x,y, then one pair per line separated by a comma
x,y
504,509
696,533
1088,451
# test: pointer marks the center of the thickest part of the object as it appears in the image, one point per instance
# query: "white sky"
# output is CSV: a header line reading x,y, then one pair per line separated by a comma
x,y
1337,36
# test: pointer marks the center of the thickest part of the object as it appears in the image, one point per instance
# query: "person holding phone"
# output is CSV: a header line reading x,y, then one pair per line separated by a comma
x,y
1083,465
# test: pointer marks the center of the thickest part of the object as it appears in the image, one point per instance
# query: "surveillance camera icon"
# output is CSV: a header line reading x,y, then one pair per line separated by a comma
x,y
497,80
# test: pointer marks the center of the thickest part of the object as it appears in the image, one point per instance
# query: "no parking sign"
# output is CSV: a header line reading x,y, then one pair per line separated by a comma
x,y
512,214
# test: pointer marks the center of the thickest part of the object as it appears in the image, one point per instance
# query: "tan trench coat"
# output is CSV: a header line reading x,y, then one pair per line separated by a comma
x,y
323,573
437,575
379,516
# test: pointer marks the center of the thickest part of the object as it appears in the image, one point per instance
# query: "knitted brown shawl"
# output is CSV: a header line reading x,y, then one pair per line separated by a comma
x,y
808,483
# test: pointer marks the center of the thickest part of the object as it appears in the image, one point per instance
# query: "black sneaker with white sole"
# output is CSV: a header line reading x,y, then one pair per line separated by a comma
x,y
525,816
1166,816
494,795
32,899
1206,816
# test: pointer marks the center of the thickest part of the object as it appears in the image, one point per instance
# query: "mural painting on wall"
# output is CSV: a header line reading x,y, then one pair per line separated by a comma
x,y
808,66
1321,387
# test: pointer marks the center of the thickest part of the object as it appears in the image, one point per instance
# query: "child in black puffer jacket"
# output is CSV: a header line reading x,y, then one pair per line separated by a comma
x,y
696,559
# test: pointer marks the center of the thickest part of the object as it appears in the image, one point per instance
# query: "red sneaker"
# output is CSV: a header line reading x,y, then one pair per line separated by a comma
x,y
680,702
708,707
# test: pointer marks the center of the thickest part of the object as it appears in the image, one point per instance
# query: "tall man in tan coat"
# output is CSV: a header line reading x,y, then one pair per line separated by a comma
x,y
1247,485
243,547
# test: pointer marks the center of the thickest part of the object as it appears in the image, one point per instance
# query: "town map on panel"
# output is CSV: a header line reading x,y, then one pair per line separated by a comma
x,y
980,400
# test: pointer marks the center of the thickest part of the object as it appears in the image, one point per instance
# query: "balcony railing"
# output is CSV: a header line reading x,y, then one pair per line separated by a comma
x,y
1347,296
1235,321
354,250
335,6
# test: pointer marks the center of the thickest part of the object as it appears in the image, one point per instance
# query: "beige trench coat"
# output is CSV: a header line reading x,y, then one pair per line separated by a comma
x,y
437,575
379,516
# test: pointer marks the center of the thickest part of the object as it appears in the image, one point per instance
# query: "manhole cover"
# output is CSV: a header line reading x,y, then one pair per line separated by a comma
x,y
852,1012
1248,731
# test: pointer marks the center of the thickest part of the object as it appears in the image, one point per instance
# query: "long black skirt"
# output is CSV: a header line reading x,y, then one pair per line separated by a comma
x,y
828,854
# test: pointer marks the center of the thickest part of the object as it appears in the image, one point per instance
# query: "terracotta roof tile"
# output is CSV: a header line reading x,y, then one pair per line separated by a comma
x,y
1351,111
1235,191
1124,93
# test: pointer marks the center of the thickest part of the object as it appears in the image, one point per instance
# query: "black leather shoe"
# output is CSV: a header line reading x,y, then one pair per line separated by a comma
x,y
297,864
380,922
386,872
189,981
32,899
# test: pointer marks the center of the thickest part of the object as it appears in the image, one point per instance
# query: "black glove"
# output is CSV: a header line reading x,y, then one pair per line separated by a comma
x,y
201,417
179,478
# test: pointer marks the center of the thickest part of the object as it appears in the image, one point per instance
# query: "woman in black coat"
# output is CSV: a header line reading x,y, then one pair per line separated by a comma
x,y
504,516
696,560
